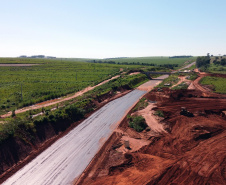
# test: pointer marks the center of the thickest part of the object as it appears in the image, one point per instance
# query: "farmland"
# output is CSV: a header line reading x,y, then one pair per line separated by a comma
x,y
50,79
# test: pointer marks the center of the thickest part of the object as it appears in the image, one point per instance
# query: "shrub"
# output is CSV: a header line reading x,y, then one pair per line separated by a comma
x,y
159,113
74,113
138,123
143,103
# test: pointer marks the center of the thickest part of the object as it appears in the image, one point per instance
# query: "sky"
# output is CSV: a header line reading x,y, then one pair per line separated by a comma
x,y
107,28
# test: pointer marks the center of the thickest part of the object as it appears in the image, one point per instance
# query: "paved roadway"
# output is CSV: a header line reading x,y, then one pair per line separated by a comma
x,y
189,65
67,158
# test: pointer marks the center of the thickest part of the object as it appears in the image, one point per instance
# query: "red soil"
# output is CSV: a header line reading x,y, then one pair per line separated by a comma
x,y
192,150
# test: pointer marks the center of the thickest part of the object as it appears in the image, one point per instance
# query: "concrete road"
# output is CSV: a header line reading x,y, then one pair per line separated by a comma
x,y
67,158
189,65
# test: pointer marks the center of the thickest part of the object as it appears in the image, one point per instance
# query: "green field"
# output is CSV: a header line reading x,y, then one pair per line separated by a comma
x,y
216,83
50,79
149,60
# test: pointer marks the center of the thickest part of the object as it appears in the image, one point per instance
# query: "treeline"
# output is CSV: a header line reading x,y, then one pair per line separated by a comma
x,y
170,66
202,61
120,63
183,56
222,62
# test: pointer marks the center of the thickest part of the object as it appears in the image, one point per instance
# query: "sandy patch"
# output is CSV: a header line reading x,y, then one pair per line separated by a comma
x,y
135,73
191,86
152,121
134,144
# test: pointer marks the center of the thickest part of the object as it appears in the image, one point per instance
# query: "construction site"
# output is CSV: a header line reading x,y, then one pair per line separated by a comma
x,y
183,142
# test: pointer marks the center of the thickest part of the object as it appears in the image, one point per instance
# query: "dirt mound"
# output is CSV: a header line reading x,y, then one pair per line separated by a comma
x,y
194,153
198,147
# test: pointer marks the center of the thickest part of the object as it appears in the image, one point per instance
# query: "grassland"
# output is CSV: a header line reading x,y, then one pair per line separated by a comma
x,y
216,83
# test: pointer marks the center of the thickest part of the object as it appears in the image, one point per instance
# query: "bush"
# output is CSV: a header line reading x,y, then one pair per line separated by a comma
x,y
74,113
138,123
143,103
159,113
10,128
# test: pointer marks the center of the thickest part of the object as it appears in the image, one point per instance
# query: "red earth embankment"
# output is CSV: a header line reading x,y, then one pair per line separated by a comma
x,y
191,151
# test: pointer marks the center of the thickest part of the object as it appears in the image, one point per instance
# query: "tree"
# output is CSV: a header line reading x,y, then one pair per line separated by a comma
x,y
13,113
202,61
223,61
